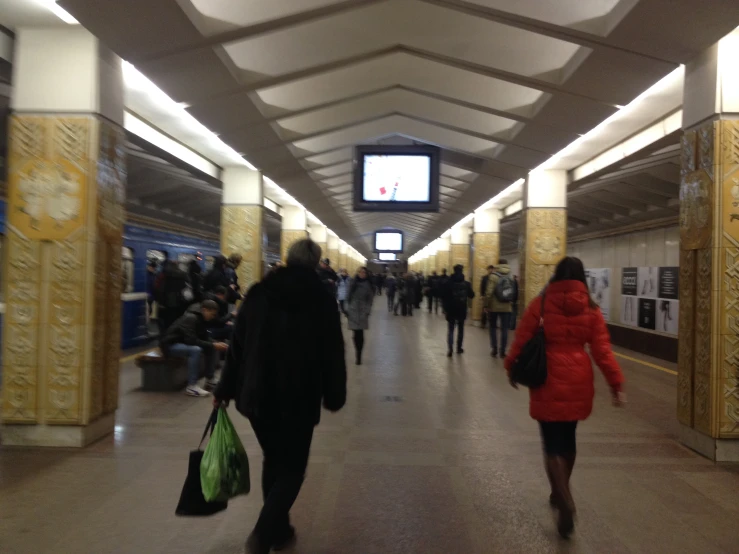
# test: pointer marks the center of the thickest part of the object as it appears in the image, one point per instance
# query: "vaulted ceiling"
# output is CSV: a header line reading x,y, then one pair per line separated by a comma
x,y
499,85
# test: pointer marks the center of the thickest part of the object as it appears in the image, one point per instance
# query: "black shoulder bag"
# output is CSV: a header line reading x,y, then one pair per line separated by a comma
x,y
530,368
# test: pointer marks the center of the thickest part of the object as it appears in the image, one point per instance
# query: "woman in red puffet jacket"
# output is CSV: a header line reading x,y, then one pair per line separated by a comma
x,y
571,320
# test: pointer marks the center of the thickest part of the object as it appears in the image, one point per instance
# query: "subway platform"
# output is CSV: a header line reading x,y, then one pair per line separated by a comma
x,y
431,456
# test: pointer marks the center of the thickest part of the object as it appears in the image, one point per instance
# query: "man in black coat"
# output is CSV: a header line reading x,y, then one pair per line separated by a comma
x,y
455,296
286,358
328,276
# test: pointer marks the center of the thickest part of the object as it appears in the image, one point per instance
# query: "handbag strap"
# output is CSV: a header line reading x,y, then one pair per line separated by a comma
x,y
209,426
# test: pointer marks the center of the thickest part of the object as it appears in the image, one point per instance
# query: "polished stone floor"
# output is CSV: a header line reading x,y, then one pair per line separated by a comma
x,y
431,456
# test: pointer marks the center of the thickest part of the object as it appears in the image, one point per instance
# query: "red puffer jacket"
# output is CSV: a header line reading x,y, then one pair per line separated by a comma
x,y
569,324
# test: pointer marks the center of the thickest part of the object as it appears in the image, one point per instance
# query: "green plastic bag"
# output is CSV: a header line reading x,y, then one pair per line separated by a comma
x,y
224,470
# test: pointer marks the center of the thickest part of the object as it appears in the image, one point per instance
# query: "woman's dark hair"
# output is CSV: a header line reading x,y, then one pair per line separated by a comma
x,y
194,267
571,269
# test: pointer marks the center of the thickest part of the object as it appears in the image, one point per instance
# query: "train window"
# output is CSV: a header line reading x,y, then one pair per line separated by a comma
x,y
157,256
127,267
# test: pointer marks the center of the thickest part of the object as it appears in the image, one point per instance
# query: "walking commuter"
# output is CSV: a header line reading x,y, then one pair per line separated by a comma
x,y
234,289
194,274
328,276
431,289
456,296
342,289
514,303
173,295
359,305
188,337
443,280
571,320
483,287
418,290
391,286
497,303
286,358
411,285
217,276
378,279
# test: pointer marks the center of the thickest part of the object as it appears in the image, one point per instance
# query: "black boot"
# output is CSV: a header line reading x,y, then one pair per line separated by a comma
x,y
359,357
558,469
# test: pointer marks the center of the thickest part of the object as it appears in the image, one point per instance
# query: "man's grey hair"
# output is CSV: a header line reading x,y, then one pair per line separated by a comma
x,y
304,253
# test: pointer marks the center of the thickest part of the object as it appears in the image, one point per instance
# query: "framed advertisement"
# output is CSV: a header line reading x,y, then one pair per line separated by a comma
x,y
669,281
629,277
599,282
647,313
647,282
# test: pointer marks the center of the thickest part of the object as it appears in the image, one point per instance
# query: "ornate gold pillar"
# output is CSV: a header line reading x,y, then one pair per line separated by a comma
x,y
294,228
242,221
708,348
543,230
431,265
66,198
486,250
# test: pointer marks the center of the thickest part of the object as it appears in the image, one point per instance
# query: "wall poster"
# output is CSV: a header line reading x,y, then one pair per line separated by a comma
x,y
599,282
649,298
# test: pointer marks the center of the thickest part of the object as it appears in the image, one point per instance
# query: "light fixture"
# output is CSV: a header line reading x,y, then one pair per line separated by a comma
x,y
60,12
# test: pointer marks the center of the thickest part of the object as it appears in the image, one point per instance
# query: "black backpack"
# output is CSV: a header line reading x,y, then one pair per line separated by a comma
x,y
504,289
460,294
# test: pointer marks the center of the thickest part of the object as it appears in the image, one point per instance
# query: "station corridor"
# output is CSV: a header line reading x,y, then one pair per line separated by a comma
x,y
430,455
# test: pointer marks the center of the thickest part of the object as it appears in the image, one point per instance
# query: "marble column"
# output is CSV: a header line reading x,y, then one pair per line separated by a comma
x,y
486,248
460,249
319,234
708,348
332,252
242,221
443,257
543,230
65,214
294,228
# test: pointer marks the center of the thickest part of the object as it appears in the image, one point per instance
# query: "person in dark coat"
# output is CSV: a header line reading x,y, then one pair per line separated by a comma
x,y
195,275
432,284
173,295
286,358
217,276
455,297
358,308
409,296
188,337
328,276
222,326
571,319
483,288
418,290
391,284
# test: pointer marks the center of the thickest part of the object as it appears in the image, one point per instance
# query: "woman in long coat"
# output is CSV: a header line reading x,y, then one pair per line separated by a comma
x,y
358,308
570,320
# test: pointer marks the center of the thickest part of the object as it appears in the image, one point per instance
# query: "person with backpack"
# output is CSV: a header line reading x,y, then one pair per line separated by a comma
x,y
483,286
499,295
455,298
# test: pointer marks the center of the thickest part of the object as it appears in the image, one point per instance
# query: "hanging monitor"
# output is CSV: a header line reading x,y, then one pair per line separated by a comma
x,y
389,240
388,257
396,178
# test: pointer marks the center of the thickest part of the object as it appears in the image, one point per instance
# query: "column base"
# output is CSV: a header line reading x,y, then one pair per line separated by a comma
x,y
717,450
57,436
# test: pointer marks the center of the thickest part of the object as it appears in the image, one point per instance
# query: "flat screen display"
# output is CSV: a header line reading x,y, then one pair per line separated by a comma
x,y
396,178
389,241
388,257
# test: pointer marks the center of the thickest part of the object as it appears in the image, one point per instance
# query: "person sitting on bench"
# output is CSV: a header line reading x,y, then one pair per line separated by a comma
x,y
188,337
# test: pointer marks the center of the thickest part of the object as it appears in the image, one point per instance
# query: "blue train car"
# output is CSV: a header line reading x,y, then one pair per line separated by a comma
x,y
141,244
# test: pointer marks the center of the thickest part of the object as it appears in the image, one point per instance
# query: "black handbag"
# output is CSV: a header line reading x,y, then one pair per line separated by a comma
x,y
530,368
192,502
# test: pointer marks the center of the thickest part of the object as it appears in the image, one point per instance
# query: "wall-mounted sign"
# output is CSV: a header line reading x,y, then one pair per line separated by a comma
x,y
649,298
